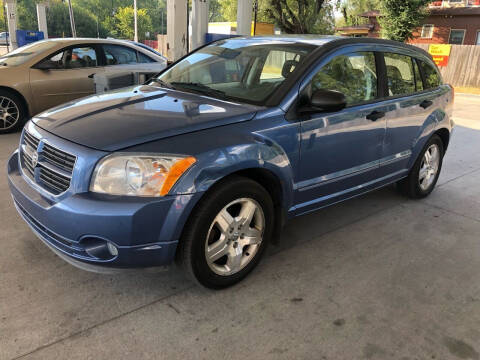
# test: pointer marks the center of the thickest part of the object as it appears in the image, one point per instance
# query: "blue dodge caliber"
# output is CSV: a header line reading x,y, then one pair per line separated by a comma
x,y
204,164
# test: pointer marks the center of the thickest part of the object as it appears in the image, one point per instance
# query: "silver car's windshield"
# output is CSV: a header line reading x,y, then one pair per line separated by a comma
x,y
25,53
236,69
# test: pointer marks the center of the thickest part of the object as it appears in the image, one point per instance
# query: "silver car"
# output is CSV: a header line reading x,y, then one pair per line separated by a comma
x,y
3,39
48,73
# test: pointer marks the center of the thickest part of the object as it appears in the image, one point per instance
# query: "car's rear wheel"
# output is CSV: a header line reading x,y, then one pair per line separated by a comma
x,y
227,233
425,172
12,112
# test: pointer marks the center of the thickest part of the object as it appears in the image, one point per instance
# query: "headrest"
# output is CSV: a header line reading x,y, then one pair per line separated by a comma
x,y
288,67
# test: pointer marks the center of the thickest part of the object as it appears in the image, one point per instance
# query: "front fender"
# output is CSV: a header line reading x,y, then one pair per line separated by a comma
x,y
216,164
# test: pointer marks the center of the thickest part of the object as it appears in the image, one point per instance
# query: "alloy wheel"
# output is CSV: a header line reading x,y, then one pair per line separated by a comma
x,y
234,236
429,167
9,113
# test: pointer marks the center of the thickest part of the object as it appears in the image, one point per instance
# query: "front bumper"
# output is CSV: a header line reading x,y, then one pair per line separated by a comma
x,y
145,231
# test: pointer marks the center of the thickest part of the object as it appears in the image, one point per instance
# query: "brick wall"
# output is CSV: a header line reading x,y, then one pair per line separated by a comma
x,y
443,24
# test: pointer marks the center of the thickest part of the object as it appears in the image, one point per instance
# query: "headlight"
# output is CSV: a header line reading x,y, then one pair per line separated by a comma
x,y
138,174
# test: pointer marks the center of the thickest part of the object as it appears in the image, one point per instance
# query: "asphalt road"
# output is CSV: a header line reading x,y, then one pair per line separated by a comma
x,y
377,277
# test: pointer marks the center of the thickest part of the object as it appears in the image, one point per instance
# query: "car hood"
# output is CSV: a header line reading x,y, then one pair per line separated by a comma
x,y
139,114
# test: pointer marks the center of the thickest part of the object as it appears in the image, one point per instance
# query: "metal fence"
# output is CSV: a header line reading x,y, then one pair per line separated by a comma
x,y
463,69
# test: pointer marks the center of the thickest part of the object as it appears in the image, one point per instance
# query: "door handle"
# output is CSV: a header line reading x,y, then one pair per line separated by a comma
x,y
375,115
426,104
91,76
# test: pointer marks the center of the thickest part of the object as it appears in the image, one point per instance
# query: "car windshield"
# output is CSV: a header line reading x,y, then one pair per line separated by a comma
x,y
236,69
25,53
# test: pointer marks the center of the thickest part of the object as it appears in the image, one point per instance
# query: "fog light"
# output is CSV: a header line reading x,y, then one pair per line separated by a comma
x,y
112,248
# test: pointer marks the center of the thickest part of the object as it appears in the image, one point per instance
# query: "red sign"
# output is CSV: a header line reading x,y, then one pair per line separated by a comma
x,y
441,60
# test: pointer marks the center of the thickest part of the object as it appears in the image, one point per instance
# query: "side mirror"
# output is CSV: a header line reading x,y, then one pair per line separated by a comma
x,y
325,101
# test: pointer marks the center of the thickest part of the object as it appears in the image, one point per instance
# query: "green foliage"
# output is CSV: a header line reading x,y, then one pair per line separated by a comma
x,y
303,16
2,19
226,10
58,21
400,18
156,10
27,14
215,9
124,23
351,9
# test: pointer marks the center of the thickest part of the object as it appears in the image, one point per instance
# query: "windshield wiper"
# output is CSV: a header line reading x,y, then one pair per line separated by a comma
x,y
162,83
204,89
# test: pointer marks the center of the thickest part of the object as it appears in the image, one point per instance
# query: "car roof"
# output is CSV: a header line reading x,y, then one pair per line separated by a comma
x,y
90,40
331,40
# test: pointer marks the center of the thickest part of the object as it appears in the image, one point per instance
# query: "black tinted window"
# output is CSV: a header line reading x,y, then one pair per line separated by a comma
x,y
354,75
119,55
432,77
401,79
142,58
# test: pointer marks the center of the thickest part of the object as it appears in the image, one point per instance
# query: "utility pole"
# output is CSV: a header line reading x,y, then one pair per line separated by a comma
x,y
255,9
188,26
161,27
6,24
135,20
72,19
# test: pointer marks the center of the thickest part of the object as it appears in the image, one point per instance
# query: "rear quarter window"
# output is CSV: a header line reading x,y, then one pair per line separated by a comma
x,y
400,74
432,77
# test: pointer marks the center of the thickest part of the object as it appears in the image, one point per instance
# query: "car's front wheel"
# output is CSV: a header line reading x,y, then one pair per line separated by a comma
x,y
425,172
12,112
227,233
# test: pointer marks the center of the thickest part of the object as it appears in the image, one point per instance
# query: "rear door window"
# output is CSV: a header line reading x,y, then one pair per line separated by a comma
x,y
119,55
142,58
354,75
400,74
432,77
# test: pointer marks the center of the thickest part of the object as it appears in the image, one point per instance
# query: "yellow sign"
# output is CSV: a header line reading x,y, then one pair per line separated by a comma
x,y
440,49
440,53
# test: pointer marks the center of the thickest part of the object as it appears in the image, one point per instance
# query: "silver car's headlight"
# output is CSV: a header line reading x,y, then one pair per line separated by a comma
x,y
138,174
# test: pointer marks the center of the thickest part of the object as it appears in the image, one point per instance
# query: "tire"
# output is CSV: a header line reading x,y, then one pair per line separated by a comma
x,y
413,186
13,113
217,258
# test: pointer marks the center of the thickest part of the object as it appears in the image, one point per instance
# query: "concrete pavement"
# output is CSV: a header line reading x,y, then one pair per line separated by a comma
x,y
376,277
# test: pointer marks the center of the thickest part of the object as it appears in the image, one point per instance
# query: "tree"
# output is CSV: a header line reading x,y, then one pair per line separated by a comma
x,y
58,21
156,10
400,18
2,19
124,23
27,15
226,10
303,16
351,9
214,10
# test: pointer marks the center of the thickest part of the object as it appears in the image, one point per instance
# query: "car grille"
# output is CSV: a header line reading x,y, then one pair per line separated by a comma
x,y
52,168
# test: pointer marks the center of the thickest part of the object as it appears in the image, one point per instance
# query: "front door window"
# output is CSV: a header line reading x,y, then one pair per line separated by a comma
x,y
354,75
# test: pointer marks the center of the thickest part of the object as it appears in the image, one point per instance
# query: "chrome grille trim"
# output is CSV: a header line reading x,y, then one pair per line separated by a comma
x,y
58,157
31,140
53,171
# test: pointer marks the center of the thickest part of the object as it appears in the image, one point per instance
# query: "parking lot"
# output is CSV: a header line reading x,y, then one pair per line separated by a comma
x,y
376,277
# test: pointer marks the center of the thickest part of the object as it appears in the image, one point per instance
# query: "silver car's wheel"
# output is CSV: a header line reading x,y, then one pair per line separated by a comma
x,y
9,113
429,167
234,236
